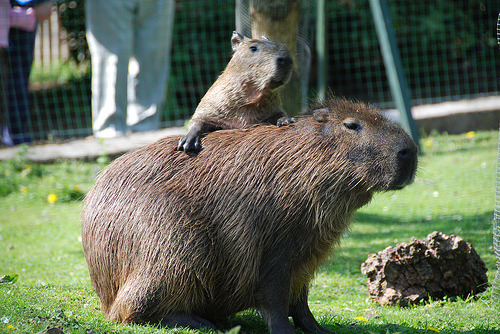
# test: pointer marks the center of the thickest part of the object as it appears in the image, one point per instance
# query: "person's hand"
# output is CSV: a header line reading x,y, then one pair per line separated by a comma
x,y
43,11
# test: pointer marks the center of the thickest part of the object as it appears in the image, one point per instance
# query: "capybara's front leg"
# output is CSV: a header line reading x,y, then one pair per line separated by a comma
x,y
272,298
279,118
302,316
192,141
197,129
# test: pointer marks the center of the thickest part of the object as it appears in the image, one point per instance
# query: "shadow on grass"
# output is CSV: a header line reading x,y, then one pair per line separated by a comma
x,y
389,231
250,322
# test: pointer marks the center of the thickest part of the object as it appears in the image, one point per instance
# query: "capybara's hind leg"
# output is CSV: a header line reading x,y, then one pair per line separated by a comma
x,y
182,319
124,309
135,302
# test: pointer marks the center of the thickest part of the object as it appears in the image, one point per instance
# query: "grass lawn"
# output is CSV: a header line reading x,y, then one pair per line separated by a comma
x,y
454,193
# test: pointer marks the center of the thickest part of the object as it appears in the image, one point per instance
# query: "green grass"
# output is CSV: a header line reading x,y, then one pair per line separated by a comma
x,y
454,193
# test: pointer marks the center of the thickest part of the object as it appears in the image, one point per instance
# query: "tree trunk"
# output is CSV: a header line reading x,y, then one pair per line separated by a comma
x,y
279,21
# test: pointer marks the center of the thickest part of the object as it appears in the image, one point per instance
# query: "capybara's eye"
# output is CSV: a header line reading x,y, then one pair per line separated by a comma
x,y
352,124
253,48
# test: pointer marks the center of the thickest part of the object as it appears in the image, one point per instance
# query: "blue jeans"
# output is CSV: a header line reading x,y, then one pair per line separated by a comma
x,y
122,33
21,49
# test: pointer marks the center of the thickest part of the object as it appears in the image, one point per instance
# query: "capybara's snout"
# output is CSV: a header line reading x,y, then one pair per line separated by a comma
x,y
406,164
284,62
283,70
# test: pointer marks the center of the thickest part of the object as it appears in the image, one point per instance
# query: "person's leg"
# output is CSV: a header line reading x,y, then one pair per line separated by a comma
x,y
110,38
152,43
4,72
21,48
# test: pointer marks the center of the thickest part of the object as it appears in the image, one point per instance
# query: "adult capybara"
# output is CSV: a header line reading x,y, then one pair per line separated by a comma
x,y
188,240
245,94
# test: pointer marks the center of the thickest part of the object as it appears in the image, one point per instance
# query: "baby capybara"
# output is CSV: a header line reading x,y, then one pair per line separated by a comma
x,y
189,240
245,94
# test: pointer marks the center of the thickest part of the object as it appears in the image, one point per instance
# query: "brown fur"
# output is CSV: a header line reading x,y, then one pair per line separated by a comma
x,y
245,93
244,224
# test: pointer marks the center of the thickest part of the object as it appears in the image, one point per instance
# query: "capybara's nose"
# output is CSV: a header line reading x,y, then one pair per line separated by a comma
x,y
284,62
404,154
407,154
407,158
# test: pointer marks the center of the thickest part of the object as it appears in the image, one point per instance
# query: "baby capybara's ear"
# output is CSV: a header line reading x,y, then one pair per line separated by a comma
x,y
321,115
236,40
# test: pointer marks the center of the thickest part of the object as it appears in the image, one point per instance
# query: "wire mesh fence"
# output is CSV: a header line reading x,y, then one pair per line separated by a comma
x,y
496,215
448,49
496,234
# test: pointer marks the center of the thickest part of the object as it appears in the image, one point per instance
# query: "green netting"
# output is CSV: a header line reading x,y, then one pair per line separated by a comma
x,y
496,231
448,50
496,214
201,49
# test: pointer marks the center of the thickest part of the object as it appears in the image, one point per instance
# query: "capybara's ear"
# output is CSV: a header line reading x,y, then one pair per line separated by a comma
x,y
236,40
321,115
264,38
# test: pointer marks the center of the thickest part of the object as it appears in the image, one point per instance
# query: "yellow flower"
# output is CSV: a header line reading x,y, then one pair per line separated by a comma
x,y
24,189
432,328
470,134
76,188
52,198
361,318
10,327
428,143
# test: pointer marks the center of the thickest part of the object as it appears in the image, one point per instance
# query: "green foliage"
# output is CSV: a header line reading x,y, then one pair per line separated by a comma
x,y
454,193
234,330
64,182
58,74
16,171
9,279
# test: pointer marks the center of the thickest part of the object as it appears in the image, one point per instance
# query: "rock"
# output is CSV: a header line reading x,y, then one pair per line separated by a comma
x,y
435,267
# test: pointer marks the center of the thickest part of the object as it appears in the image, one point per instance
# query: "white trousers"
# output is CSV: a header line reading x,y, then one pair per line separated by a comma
x,y
130,42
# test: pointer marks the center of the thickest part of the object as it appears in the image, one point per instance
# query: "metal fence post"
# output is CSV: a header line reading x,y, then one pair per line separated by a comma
x,y
394,69
321,50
